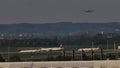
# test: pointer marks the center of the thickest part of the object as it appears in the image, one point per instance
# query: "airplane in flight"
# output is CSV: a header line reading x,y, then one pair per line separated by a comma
x,y
89,11
52,49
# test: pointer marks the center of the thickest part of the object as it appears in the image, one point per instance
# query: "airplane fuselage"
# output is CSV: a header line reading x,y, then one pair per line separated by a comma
x,y
51,49
88,49
24,51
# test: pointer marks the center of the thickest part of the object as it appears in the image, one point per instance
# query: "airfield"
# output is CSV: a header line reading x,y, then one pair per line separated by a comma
x,y
102,63
72,54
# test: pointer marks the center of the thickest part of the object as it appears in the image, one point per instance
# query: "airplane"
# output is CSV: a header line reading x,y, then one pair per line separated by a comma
x,y
42,49
89,11
52,49
88,49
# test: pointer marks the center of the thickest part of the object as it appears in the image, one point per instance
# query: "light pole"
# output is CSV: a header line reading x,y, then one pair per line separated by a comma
x,y
114,45
92,44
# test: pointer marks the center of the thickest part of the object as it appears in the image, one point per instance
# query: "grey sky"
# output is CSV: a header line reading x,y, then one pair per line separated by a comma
x,y
45,11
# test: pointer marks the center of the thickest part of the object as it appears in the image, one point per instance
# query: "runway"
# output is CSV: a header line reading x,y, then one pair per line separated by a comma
x,y
63,64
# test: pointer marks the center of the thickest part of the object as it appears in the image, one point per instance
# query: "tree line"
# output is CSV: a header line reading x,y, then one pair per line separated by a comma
x,y
74,40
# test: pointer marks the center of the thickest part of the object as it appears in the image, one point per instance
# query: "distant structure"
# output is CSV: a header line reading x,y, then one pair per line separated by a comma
x,y
1,36
102,32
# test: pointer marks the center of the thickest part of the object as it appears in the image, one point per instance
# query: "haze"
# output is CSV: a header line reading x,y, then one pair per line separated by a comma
x,y
50,11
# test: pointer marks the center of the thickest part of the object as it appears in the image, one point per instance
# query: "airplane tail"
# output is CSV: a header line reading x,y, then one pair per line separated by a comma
x,y
61,46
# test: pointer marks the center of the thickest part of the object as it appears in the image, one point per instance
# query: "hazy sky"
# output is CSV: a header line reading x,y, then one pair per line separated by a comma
x,y
45,11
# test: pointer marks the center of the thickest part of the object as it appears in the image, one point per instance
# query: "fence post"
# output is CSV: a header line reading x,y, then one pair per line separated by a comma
x,y
73,54
64,54
101,54
92,55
